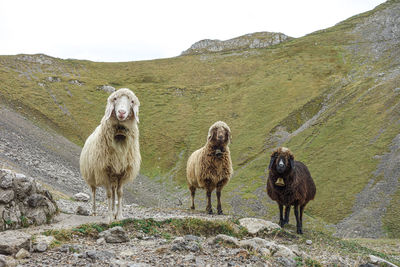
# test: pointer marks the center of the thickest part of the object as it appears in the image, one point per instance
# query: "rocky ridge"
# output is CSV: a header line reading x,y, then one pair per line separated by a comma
x,y
248,41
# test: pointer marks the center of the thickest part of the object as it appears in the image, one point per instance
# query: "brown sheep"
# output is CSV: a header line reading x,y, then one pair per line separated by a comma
x,y
210,167
289,184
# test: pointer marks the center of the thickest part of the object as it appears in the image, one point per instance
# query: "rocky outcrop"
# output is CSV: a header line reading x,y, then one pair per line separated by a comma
x,y
248,41
23,201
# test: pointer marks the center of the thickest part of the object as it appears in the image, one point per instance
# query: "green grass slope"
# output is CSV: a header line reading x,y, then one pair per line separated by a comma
x,y
329,76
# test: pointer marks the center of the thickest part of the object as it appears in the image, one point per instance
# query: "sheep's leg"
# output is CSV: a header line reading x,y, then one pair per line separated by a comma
x,y
301,217
114,189
192,193
109,199
287,213
281,220
94,200
298,221
219,206
209,208
119,208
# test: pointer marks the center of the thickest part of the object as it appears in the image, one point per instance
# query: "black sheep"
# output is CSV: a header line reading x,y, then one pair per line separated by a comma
x,y
289,184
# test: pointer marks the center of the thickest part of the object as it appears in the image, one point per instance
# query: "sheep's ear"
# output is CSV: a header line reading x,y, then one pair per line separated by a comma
x,y
291,160
230,137
273,158
136,112
109,110
210,135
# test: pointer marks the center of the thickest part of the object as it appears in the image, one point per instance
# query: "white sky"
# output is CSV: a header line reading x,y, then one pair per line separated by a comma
x,y
133,30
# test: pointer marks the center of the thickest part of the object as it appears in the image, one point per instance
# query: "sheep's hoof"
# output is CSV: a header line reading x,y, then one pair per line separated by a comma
x,y
119,217
220,212
299,231
210,211
192,207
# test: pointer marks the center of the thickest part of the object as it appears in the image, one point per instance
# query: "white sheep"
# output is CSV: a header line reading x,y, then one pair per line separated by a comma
x,y
111,155
210,167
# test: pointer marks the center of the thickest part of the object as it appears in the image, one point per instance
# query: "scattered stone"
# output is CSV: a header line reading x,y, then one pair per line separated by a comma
x,y
99,254
375,259
221,238
76,82
254,225
82,211
101,241
6,196
264,252
397,89
284,252
308,242
182,244
257,243
116,234
286,262
107,88
242,254
12,241
53,79
22,254
6,179
41,247
81,197
7,261
127,253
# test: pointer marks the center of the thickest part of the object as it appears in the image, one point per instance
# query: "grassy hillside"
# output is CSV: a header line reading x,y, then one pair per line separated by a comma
x,y
263,95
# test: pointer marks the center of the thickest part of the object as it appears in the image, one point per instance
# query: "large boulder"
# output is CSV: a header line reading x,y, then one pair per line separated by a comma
x,y
12,241
254,225
23,201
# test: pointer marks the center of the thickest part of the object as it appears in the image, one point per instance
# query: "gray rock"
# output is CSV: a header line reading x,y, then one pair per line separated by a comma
x,y
81,197
192,238
284,252
36,200
115,235
378,260
27,202
257,243
22,254
308,242
44,239
53,79
7,261
101,241
6,179
286,262
12,241
6,196
182,244
107,88
82,211
41,247
254,225
221,238
99,254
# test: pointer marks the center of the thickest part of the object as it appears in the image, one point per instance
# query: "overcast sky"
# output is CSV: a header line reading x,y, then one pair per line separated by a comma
x,y
133,30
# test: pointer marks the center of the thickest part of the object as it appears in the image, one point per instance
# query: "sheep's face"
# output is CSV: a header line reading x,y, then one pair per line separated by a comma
x,y
122,108
122,105
282,160
219,135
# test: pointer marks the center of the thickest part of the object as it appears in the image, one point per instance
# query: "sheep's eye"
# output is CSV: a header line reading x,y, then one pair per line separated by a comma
x,y
115,98
132,102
